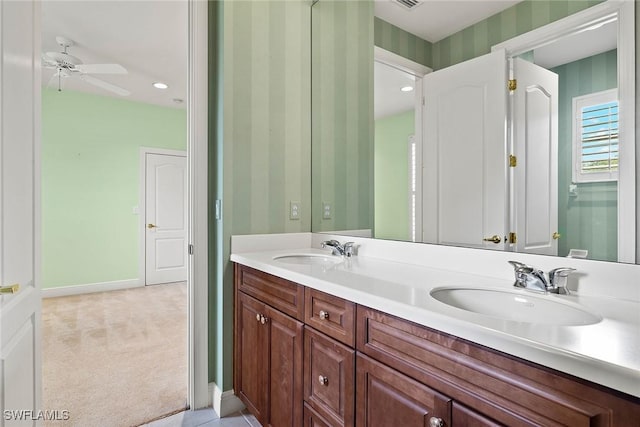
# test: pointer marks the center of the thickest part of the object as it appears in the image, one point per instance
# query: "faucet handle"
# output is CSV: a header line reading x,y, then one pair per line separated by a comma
x,y
329,243
518,266
558,275
350,249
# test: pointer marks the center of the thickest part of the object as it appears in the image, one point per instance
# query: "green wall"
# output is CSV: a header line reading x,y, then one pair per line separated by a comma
x,y
400,42
90,174
590,220
262,76
523,17
391,180
342,122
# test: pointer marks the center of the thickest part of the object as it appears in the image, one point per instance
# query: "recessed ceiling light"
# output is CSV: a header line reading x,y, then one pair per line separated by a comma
x,y
407,88
160,85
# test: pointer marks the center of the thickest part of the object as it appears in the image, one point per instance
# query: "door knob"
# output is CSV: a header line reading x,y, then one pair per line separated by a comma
x,y
495,239
151,226
12,289
556,235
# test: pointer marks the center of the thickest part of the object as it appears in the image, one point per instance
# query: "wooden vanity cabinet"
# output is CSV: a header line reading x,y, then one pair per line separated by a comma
x,y
296,363
488,387
267,352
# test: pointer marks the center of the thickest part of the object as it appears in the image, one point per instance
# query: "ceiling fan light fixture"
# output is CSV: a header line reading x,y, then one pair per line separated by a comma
x,y
160,85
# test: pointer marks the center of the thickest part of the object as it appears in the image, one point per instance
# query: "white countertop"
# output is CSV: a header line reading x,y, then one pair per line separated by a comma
x,y
606,353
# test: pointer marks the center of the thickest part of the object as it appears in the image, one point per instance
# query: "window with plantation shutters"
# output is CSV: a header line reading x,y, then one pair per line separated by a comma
x,y
595,135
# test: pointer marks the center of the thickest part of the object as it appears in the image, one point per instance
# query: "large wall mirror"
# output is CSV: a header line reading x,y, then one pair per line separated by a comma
x,y
483,128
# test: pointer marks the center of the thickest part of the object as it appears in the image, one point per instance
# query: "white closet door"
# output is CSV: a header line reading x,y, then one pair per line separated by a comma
x,y
465,158
166,218
536,148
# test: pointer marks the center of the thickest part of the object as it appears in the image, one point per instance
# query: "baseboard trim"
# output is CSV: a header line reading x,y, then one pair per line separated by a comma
x,y
224,402
89,288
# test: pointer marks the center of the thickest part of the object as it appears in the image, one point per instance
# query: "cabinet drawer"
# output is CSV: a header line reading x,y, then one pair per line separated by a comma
x,y
280,294
329,377
331,315
313,419
498,386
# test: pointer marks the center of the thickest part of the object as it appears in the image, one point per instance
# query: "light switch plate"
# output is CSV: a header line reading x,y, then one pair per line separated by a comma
x,y
326,210
294,210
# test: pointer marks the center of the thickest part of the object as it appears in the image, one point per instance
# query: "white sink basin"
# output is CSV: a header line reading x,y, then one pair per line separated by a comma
x,y
309,259
516,306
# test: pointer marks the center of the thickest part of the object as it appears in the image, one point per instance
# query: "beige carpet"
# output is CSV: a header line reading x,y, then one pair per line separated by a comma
x,y
115,358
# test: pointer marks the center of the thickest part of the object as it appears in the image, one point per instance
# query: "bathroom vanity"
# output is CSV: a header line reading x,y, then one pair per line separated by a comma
x,y
330,341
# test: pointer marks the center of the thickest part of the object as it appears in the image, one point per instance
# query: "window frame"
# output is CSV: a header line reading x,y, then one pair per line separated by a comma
x,y
580,102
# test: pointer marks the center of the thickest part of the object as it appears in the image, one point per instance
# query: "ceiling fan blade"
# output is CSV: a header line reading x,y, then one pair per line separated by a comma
x,y
101,68
104,85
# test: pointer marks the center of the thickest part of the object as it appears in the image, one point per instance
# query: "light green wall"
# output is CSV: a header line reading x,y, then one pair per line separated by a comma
x,y
400,42
589,221
392,175
342,107
523,17
90,167
265,158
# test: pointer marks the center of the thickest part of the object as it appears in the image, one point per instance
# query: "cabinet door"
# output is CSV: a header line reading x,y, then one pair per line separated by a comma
x,y
285,369
465,417
251,361
385,397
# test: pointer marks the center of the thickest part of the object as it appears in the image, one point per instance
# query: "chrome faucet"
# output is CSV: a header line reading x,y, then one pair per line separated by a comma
x,y
530,278
347,250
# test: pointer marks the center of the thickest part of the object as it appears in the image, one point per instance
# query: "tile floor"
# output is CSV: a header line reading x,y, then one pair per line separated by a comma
x,y
206,418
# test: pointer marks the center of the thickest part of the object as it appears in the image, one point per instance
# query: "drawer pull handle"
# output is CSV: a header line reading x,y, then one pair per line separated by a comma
x,y
263,319
323,315
436,422
323,380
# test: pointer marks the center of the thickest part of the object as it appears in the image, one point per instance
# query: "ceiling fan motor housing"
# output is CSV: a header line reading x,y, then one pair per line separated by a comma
x,y
64,59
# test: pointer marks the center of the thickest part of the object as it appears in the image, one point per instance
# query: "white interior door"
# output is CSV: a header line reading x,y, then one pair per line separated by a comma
x,y
20,377
166,218
465,157
535,111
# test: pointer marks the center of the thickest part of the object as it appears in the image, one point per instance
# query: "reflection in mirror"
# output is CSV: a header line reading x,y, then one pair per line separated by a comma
x,y
578,211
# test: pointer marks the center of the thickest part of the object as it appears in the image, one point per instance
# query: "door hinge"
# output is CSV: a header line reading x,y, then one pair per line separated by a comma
x,y
513,84
513,238
190,249
513,161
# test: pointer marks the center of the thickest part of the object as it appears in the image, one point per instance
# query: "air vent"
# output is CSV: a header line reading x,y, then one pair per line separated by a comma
x,y
408,4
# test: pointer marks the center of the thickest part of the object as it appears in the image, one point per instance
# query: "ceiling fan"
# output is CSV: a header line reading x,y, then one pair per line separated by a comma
x,y
67,65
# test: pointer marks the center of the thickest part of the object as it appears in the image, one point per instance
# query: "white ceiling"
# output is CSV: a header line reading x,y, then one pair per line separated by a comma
x,y
388,99
433,20
148,38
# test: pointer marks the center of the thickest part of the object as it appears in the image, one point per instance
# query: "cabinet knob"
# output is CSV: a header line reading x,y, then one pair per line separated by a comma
x,y
436,422
263,319
323,314
323,380
258,317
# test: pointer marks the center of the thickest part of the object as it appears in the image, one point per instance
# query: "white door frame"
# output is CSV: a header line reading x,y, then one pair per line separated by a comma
x,y
198,234
624,10
417,70
142,205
